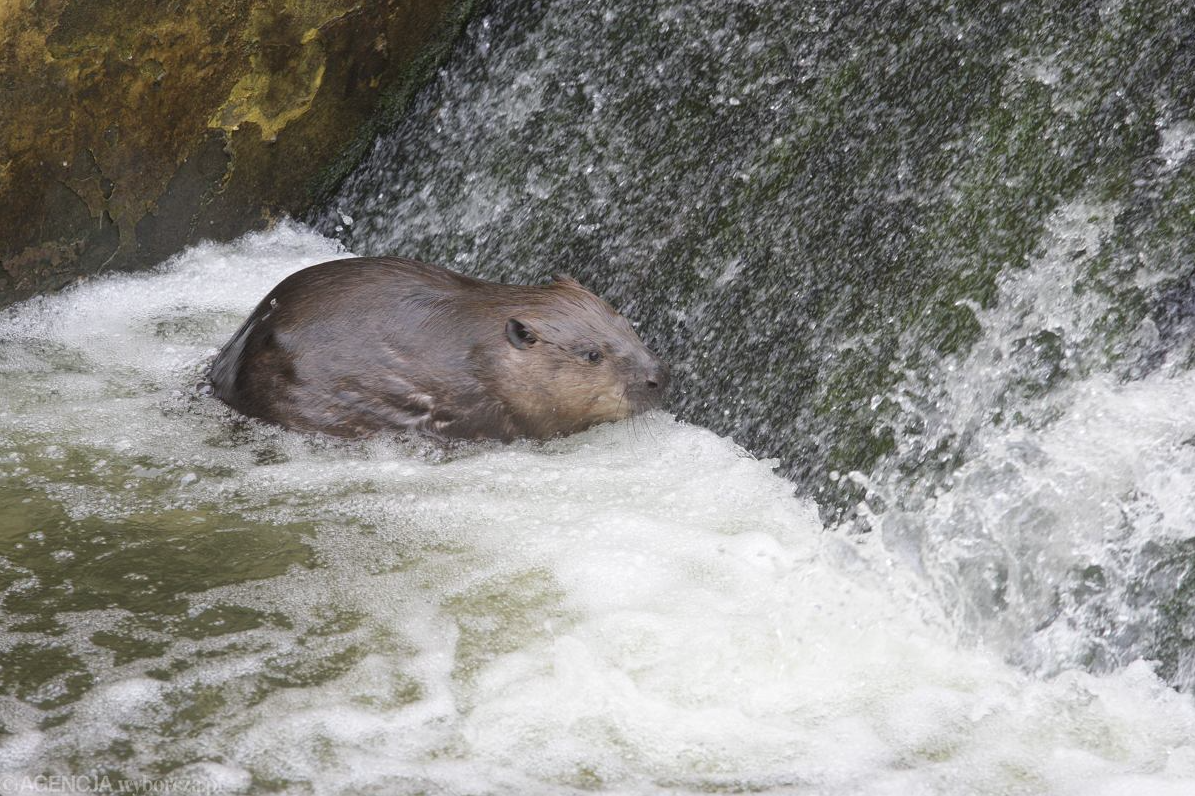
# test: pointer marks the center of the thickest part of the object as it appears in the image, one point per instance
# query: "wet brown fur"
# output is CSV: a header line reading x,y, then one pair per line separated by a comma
x,y
356,346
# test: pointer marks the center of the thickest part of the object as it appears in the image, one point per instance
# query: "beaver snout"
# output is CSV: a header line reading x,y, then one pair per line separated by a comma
x,y
658,377
648,391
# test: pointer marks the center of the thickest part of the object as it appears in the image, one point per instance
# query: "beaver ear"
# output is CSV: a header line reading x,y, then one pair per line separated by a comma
x,y
565,279
520,334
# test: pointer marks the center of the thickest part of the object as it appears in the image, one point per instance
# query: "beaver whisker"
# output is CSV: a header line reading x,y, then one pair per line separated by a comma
x,y
637,422
622,397
634,418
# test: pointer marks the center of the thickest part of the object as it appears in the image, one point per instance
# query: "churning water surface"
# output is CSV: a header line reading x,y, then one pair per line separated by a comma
x,y
934,258
937,259
641,608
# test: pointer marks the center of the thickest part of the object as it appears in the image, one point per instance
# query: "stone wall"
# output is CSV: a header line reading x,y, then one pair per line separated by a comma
x,y
130,128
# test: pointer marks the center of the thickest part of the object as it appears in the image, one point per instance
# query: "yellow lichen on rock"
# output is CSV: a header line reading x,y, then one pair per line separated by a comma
x,y
129,128
255,99
286,69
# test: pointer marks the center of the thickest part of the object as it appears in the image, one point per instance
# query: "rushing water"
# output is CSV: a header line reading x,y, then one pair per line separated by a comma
x,y
937,263
923,257
645,608
804,202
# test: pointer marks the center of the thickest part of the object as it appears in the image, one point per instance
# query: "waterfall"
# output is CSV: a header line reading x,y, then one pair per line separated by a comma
x,y
919,518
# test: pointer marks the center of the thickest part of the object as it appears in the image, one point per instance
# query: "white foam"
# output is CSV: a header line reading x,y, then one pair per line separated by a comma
x,y
1070,472
1178,140
642,607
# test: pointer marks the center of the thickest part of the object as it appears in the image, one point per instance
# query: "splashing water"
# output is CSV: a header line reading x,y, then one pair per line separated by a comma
x,y
936,263
929,259
1050,503
191,597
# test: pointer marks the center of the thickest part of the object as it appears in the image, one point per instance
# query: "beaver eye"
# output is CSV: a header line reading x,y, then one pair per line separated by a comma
x,y
594,356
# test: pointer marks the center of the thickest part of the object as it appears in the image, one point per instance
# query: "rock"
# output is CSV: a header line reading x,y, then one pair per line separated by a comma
x,y
131,128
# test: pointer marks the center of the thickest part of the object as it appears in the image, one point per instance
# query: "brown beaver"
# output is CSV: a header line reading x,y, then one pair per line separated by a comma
x,y
361,345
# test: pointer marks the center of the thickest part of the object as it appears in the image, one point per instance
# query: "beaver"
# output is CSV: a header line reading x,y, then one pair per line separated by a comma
x,y
361,345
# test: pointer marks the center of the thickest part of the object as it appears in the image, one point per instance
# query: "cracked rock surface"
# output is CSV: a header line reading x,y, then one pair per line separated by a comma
x,y
131,128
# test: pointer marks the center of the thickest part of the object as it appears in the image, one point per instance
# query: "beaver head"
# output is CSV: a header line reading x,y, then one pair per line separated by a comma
x,y
572,361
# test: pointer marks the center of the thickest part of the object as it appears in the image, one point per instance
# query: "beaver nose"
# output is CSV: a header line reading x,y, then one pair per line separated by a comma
x,y
658,377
